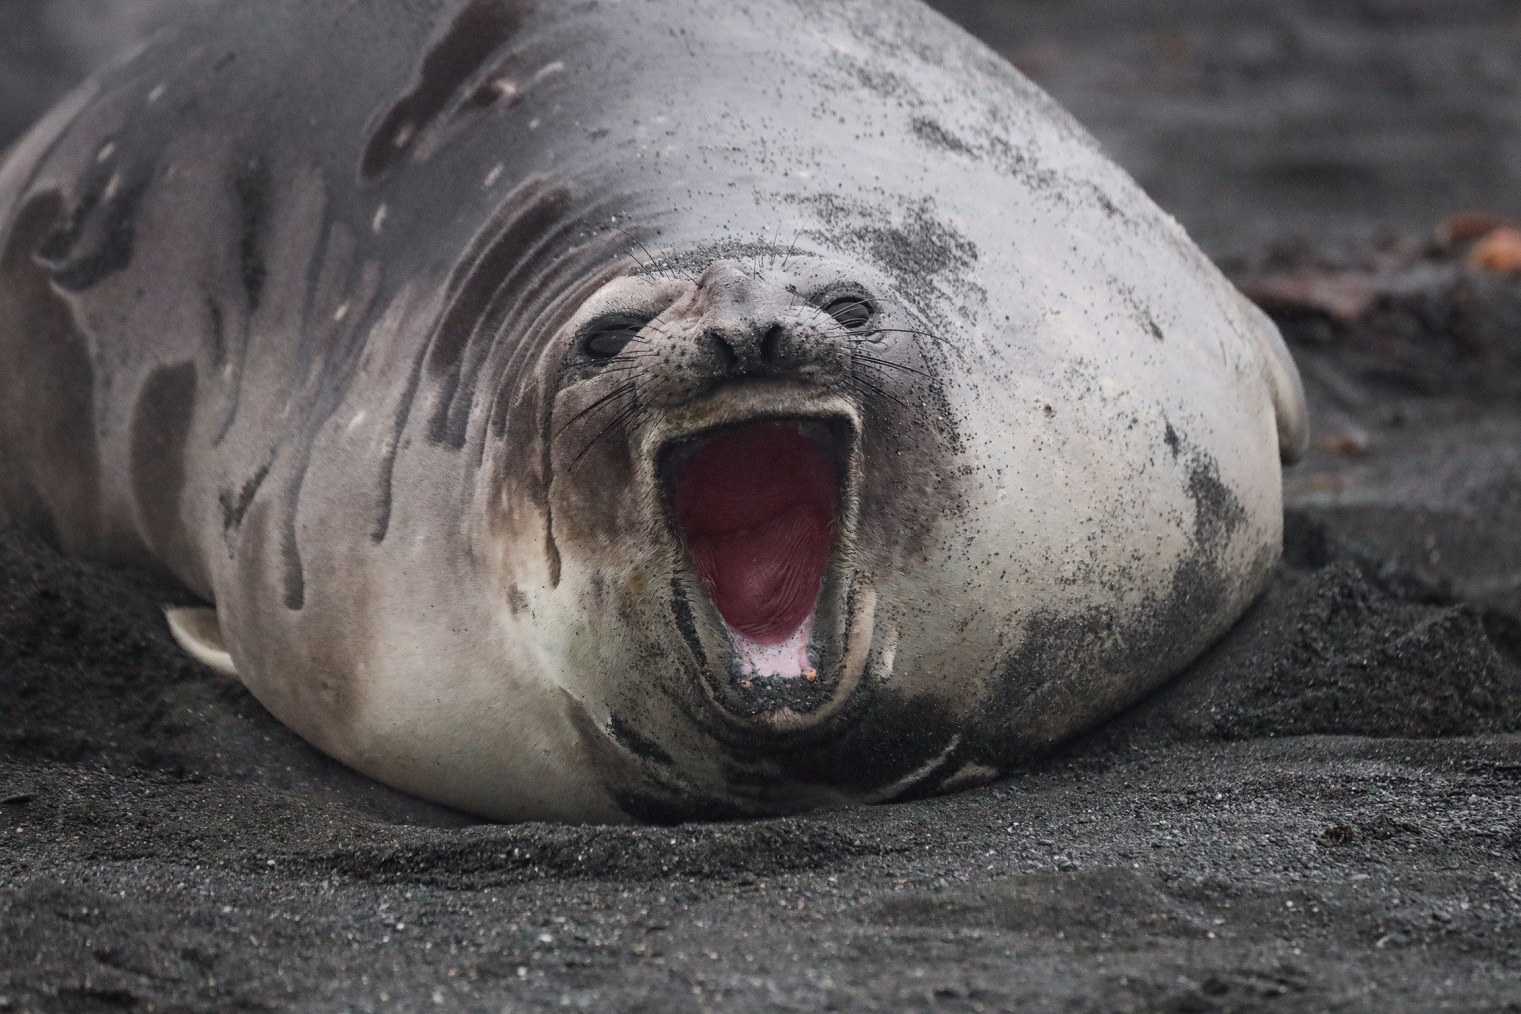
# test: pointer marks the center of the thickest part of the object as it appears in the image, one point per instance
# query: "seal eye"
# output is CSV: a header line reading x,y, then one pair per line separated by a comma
x,y
609,336
852,312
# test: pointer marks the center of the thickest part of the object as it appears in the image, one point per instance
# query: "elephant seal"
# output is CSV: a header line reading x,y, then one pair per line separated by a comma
x,y
652,410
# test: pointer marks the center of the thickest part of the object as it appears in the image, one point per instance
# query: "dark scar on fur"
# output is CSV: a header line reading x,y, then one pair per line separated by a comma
x,y
235,505
216,332
393,447
470,292
160,429
637,744
343,352
251,186
98,239
57,396
479,30
686,623
293,570
495,281
551,547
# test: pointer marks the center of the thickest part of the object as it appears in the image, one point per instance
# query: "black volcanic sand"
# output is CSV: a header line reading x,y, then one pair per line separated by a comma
x,y
1255,121
1324,813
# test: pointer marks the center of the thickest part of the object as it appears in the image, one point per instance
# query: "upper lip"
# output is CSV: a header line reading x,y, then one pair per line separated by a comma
x,y
823,429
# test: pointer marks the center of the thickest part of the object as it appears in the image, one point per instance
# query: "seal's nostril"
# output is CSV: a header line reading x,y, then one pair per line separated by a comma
x,y
723,352
771,344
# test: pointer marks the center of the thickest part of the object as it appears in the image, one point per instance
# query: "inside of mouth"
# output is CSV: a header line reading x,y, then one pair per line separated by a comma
x,y
756,505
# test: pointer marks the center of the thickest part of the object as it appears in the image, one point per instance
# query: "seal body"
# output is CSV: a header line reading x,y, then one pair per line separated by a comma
x,y
645,409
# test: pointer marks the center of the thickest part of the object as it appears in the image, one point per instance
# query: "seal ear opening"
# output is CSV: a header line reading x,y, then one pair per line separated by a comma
x,y
199,633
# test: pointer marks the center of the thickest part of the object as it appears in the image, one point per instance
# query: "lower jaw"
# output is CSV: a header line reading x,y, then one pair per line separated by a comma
x,y
807,683
762,681
793,659
771,682
779,686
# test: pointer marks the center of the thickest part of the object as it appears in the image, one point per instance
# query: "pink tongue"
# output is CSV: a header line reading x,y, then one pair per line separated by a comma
x,y
757,508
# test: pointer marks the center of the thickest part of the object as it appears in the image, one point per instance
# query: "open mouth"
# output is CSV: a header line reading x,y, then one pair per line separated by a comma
x,y
757,506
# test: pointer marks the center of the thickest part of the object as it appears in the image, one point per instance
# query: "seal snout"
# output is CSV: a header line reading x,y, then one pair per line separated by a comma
x,y
772,349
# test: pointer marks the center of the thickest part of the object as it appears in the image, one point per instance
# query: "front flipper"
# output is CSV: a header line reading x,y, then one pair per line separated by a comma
x,y
1288,389
200,634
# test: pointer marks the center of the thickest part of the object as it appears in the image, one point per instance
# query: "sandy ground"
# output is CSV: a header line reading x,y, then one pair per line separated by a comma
x,y
1325,813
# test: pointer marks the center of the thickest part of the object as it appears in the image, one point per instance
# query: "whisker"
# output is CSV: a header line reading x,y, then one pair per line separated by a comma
x,y
792,249
859,302
620,391
922,334
660,330
855,379
655,264
623,368
624,372
659,268
623,416
627,361
889,364
648,264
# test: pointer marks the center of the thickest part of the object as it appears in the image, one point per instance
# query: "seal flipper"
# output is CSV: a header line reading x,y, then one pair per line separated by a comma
x,y
199,633
1288,389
